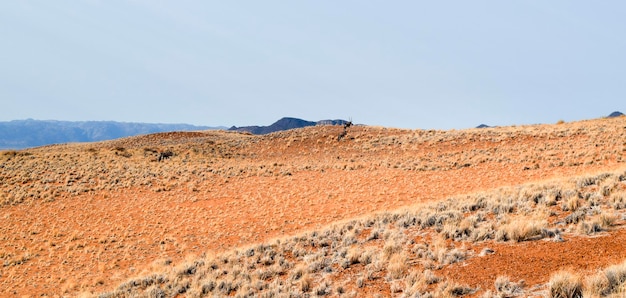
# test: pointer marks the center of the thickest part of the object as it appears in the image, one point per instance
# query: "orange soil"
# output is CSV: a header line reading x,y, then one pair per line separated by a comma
x,y
93,241
535,261
110,237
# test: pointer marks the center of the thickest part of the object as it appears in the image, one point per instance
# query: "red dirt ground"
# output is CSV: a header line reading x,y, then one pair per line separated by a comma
x,y
118,233
94,241
535,261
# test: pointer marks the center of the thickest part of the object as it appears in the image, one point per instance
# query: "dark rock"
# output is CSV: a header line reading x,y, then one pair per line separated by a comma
x,y
285,124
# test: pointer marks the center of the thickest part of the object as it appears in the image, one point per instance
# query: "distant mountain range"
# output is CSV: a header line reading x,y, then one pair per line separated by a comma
x,y
285,124
19,134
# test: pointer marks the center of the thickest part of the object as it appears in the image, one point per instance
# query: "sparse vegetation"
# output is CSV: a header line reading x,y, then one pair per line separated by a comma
x,y
314,257
565,285
507,288
610,282
296,213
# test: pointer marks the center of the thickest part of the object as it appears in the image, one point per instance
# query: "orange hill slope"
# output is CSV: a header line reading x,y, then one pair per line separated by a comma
x,y
86,217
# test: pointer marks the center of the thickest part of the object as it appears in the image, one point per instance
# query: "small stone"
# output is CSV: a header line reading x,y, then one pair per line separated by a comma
x,y
486,251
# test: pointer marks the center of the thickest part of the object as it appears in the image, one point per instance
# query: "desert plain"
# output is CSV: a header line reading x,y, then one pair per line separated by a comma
x,y
515,211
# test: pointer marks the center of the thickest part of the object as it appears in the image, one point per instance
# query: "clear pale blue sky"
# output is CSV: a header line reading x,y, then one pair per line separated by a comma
x,y
409,64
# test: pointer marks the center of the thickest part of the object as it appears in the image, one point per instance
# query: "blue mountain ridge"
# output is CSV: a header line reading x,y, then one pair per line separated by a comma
x,y
20,134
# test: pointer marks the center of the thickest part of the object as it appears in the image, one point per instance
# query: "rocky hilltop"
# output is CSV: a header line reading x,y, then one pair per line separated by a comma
x,y
285,123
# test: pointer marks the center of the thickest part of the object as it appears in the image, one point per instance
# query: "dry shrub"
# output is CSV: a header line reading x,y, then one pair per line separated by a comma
x,y
608,220
595,285
575,217
298,272
352,257
368,256
414,283
506,288
610,281
588,181
521,230
616,275
590,227
360,282
459,230
483,233
397,266
391,248
571,204
618,200
564,284
597,224
585,181
608,186
447,257
451,289
430,277
324,288
305,283
156,292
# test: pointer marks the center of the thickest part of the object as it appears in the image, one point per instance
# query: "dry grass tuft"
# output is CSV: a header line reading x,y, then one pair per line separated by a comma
x,y
572,204
397,267
521,230
564,284
610,281
506,288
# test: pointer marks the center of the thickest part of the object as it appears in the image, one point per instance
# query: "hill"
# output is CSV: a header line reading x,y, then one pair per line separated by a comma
x,y
285,123
498,211
20,134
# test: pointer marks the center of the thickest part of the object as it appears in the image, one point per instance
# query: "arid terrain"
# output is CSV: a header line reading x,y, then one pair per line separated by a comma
x,y
534,210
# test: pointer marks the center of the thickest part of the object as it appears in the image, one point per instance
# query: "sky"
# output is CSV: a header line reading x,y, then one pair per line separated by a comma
x,y
406,64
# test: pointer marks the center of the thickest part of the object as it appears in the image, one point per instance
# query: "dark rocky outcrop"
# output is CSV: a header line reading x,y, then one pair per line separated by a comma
x,y
285,124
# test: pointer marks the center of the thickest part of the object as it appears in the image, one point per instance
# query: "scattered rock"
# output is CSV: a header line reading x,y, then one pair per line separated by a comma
x,y
486,251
